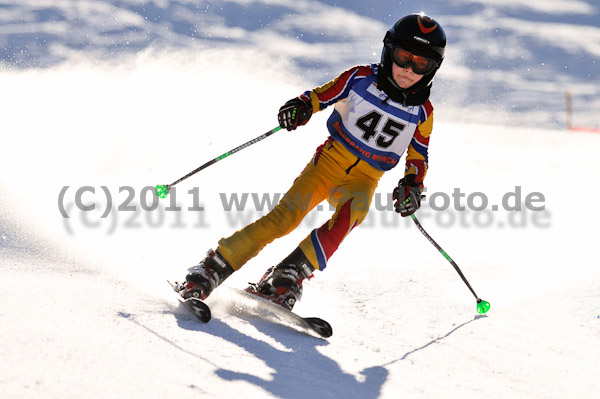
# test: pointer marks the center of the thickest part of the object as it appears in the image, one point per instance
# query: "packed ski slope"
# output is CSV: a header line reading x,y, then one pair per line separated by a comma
x,y
86,312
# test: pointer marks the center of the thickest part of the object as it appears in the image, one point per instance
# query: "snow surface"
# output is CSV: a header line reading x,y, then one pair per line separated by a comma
x,y
510,62
85,310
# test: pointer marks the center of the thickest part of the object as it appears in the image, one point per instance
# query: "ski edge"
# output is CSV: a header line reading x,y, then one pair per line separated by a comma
x,y
315,324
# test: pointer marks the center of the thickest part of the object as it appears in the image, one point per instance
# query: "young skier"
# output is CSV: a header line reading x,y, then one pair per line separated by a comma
x,y
381,111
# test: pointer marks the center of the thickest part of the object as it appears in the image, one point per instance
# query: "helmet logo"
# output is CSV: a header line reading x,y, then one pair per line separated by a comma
x,y
420,39
422,27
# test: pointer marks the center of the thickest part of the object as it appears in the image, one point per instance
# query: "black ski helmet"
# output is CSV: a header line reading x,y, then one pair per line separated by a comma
x,y
421,35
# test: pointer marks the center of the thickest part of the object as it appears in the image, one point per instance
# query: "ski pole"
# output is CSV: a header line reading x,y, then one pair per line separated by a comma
x,y
162,190
482,306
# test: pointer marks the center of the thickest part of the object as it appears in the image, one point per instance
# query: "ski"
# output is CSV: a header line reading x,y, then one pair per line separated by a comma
x,y
274,311
194,305
265,308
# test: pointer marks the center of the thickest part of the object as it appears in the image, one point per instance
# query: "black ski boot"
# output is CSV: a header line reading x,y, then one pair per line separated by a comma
x,y
282,284
204,277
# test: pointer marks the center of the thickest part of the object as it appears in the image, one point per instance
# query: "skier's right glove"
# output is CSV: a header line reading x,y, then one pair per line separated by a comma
x,y
295,112
407,196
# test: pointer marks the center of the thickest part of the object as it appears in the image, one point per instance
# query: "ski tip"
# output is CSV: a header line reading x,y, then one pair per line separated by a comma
x,y
320,326
194,305
200,309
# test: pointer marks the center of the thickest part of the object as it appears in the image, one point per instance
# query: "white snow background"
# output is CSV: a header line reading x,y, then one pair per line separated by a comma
x,y
120,96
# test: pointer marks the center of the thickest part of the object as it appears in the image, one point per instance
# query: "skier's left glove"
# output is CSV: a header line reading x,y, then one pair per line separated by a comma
x,y
296,112
407,195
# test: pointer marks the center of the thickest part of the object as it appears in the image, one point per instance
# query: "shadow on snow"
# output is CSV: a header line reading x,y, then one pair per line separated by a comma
x,y
301,371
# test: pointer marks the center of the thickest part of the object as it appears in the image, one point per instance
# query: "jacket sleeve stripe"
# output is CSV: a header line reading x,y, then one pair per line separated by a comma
x,y
338,88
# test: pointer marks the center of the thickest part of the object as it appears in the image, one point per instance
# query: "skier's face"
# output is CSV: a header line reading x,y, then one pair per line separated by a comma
x,y
404,77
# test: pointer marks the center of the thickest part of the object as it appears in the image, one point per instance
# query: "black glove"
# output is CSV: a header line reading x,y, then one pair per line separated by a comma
x,y
407,195
294,113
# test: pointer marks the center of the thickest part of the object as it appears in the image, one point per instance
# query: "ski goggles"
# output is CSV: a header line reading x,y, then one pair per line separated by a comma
x,y
420,65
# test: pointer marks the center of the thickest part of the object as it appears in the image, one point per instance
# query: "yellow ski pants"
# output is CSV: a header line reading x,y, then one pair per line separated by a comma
x,y
334,174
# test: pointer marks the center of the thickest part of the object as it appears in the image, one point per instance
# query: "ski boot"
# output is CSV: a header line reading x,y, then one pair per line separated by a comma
x,y
204,277
282,284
